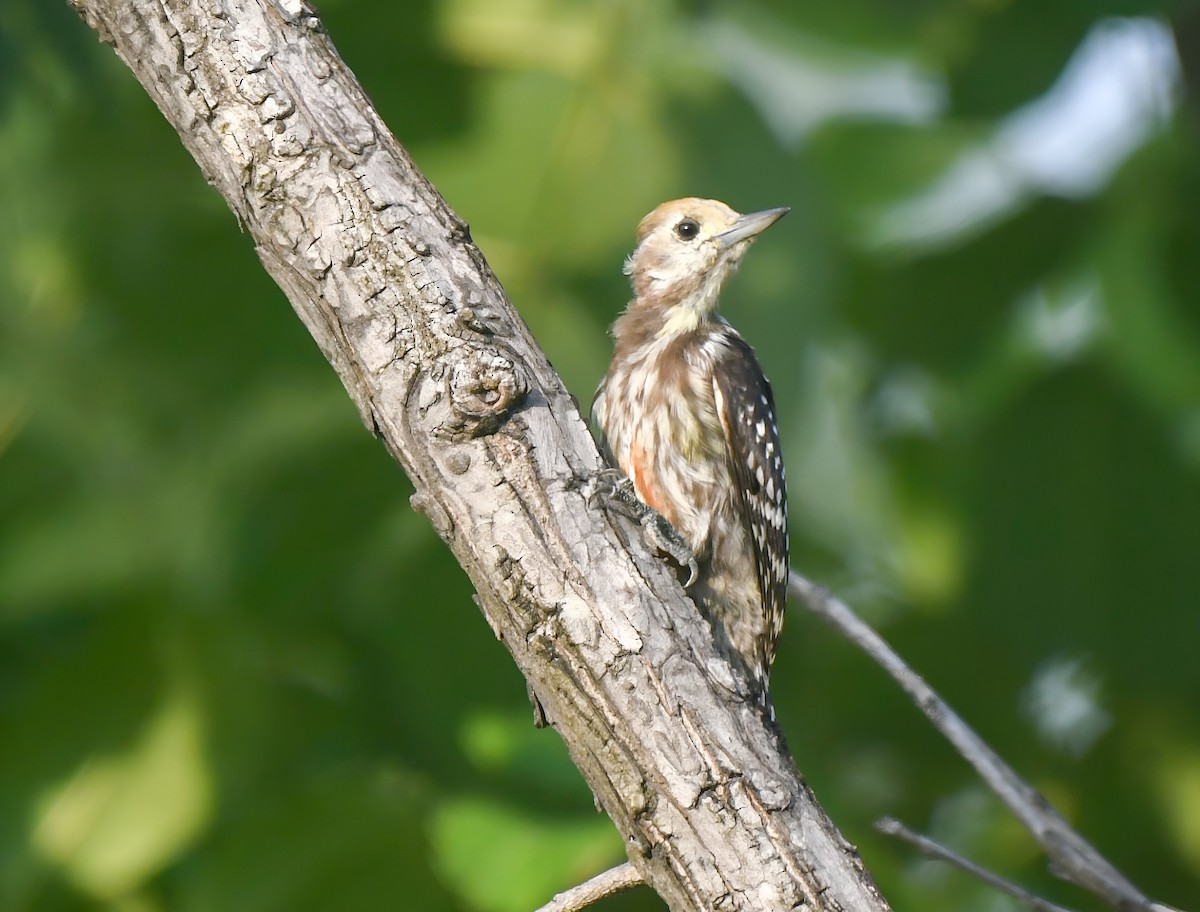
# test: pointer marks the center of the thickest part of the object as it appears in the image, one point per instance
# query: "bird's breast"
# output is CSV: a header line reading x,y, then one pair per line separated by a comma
x,y
660,420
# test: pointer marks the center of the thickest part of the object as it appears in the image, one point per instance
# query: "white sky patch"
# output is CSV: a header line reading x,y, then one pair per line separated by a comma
x,y
1061,326
797,91
904,403
1063,702
1117,90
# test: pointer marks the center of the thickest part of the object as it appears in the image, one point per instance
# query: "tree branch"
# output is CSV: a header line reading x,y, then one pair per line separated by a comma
x,y
614,880
889,826
1072,857
402,304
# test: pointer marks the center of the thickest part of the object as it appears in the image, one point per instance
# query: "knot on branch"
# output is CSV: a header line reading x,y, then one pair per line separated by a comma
x,y
483,387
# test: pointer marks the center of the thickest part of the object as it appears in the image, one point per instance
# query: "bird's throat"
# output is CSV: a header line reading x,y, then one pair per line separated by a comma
x,y
682,319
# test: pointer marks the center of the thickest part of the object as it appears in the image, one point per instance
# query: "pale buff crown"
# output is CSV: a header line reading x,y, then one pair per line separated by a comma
x,y
686,249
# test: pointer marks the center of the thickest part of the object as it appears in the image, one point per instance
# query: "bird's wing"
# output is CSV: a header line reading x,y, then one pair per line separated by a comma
x,y
747,411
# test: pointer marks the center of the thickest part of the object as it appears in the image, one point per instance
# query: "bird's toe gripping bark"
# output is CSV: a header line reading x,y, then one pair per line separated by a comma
x,y
662,535
611,489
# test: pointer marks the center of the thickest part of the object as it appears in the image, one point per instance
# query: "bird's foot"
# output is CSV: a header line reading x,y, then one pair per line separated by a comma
x,y
611,489
666,539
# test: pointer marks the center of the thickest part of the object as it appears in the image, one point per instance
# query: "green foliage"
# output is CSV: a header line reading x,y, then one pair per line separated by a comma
x,y
238,673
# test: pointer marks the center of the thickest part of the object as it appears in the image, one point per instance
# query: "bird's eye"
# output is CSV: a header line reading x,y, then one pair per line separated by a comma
x,y
687,229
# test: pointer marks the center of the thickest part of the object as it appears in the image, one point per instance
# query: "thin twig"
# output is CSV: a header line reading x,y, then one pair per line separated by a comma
x,y
1072,857
614,880
889,826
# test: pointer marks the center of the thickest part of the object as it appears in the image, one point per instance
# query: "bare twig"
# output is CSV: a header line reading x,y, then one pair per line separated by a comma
x,y
889,826
1072,857
614,880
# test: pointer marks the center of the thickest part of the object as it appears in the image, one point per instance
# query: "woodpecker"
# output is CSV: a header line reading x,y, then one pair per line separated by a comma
x,y
687,415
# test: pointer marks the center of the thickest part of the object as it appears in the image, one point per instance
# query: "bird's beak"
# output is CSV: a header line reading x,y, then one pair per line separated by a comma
x,y
749,225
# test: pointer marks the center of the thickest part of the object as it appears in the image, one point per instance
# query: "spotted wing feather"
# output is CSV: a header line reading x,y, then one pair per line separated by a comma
x,y
746,408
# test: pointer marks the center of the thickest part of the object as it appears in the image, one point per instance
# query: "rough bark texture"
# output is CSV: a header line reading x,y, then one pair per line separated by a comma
x,y
406,310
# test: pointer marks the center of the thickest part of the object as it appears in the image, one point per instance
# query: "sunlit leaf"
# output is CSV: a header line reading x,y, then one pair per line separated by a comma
x,y
119,819
504,860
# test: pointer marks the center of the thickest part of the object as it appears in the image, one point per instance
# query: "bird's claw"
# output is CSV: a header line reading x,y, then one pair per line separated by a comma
x,y
663,536
613,490
610,488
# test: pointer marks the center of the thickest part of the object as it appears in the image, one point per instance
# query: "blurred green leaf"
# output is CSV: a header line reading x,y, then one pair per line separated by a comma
x,y
510,747
340,839
504,860
118,820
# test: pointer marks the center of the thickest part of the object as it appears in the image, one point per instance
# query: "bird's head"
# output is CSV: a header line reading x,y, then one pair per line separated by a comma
x,y
685,250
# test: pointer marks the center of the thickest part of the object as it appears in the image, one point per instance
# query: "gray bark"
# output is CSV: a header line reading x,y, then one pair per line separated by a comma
x,y
701,786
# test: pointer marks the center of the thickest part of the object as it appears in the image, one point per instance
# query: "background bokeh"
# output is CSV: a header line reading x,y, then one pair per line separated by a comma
x,y
238,673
